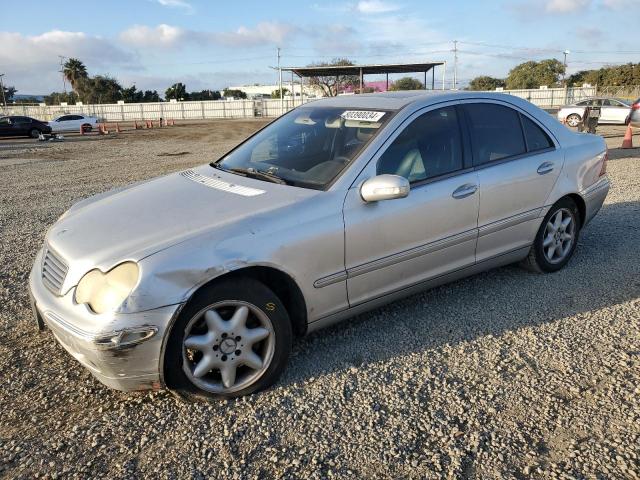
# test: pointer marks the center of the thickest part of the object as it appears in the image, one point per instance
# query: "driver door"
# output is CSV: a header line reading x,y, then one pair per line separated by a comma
x,y
393,244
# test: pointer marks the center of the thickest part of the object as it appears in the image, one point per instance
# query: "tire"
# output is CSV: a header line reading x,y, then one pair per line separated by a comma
x,y
539,259
203,347
34,133
574,120
87,128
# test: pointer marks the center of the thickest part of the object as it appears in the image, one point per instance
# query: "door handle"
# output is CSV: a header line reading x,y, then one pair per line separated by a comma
x,y
545,167
464,190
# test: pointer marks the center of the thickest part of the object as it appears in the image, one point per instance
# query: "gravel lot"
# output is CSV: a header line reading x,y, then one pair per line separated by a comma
x,y
504,375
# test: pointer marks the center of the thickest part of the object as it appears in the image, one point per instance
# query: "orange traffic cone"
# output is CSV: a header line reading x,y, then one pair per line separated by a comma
x,y
628,138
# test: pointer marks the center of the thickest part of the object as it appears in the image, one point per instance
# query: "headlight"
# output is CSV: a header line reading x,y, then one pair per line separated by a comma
x,y
104,292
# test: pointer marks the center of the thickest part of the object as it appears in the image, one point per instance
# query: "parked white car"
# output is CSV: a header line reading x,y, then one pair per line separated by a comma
x,y
72,123
612,110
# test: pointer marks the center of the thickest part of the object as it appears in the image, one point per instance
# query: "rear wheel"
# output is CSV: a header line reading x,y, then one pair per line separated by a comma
x,y
87,128
232,339
556,239
34,133
573,120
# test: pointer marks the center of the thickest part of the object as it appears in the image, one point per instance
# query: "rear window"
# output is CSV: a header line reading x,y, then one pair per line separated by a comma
x,y
495,132
537,139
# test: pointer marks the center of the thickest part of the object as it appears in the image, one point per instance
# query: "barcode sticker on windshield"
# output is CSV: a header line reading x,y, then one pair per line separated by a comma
x,y
362,115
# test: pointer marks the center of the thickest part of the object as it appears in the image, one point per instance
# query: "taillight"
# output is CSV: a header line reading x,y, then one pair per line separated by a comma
x,y
635,106
603,169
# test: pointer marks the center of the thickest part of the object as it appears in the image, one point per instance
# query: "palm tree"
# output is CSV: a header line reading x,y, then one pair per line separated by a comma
x,y
75,72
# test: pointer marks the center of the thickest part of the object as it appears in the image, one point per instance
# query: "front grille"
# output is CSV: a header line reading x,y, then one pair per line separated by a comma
x,y
54,270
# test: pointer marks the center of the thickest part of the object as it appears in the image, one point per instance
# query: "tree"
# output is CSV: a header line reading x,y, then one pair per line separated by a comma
x,y
234,93
101,89
485,82
56,98
151,96
205,95
406,83
76,73
276,93
8,92
620,75
131,95
176,91
331,85
534,74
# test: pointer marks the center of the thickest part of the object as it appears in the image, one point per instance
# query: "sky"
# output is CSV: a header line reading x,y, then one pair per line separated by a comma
x,y
209,44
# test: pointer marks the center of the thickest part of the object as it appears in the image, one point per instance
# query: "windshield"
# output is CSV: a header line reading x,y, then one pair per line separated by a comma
x,y
307,147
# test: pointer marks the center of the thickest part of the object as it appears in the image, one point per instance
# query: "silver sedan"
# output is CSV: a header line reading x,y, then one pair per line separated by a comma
x,y
200,280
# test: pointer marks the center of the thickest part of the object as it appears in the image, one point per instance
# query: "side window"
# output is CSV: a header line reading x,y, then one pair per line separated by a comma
x,y
495,132
4,121
537,139
64,118
430,146
584,103
75,117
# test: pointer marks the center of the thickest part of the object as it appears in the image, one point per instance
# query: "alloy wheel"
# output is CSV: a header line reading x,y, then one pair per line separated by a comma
x,y
227,346
559,235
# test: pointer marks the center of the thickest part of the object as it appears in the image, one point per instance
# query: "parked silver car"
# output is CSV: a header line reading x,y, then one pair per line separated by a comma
x,y
199,280
612,110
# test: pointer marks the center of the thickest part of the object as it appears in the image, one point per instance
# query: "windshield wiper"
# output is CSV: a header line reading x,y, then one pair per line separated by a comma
x,y
253,173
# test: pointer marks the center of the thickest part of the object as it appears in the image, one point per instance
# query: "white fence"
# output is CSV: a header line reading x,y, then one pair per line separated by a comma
x,y
544,98
167,110
550,98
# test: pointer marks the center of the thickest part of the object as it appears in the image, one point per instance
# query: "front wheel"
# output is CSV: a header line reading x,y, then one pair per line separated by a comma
x,y
232,339
34,133
556,239
573,120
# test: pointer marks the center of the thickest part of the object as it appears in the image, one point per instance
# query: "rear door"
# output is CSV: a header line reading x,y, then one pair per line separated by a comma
x,y
517,164
614,111
21,125
64,123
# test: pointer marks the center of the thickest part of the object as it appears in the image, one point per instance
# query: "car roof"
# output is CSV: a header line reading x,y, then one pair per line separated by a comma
x,y
398,100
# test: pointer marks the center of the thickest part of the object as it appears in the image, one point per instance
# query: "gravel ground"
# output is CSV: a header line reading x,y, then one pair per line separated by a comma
x,y
506,374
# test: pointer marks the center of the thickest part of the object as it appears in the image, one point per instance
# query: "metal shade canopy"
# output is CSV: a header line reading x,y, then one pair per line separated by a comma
x,y
364,69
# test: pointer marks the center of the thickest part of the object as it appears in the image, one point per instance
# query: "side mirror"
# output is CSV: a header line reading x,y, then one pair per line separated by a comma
x,y
384,187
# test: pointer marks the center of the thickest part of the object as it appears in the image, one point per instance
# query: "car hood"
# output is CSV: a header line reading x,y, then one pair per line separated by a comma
x,y
137,221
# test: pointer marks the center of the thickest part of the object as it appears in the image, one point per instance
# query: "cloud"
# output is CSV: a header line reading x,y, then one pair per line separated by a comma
x,y
566,6
375,6
183,4
273,33
620,4
31,63
144,36
167,36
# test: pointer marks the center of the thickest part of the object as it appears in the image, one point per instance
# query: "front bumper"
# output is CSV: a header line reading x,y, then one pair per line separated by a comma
x,y
123,351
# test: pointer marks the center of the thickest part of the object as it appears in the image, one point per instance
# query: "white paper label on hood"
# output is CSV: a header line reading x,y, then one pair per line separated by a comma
x,y
362,115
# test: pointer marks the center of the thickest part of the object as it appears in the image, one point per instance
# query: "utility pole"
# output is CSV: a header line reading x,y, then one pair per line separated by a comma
x,y
64,80
280,84
455,64
4,100
566,52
